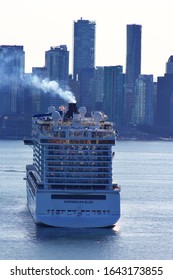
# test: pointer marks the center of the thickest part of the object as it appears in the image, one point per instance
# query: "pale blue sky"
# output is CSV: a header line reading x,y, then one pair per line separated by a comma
x,y
40,24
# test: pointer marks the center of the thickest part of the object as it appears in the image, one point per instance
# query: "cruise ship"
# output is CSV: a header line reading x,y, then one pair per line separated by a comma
x,y
70,181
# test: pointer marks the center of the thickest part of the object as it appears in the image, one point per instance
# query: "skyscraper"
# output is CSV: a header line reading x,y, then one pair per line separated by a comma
x,y
84,46
164,110
12,59
113,100
144,100
133,58
87,94
57,64
164,114
169,65
99,87
133,67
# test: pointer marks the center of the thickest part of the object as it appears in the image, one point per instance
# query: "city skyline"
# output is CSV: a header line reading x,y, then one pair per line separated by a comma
x,y
38,25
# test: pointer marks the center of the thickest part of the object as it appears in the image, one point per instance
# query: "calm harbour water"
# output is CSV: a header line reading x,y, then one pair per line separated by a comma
x,y
145,172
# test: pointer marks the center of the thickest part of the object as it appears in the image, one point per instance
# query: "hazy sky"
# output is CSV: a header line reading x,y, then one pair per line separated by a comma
x,y
40,24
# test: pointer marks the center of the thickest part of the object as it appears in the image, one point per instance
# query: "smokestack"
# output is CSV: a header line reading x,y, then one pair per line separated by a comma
x,y
72,108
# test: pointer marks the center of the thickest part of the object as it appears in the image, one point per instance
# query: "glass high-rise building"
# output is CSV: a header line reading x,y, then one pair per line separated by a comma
x,y
113,100
57,64
12,62
133,57
169,65
84,46
133,67
144,100
164,114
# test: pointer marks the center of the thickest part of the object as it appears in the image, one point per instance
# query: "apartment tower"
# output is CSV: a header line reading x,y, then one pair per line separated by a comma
x,y
84,46
133,68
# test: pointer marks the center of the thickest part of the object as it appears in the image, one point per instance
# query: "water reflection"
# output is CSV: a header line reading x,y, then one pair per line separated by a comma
x,y
44,233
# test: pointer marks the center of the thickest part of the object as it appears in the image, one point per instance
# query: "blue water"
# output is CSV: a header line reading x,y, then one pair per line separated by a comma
x,y
145,231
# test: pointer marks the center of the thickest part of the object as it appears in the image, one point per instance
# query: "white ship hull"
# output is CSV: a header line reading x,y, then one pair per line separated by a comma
x,y
70,181
80,213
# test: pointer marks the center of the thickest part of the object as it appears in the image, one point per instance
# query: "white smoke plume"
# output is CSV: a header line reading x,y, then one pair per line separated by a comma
x,y
48,86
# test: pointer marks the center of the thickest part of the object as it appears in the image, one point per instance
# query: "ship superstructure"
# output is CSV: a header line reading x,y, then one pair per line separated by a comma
x,y
70,183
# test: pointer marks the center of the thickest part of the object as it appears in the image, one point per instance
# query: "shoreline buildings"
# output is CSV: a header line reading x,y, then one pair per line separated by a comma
x,y
131,99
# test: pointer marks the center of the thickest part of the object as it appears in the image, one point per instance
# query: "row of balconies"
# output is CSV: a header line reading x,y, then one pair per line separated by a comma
x,y
78,164
73,149
78,147
83,142
62,149
80,134
91,181
77,152
79,170
77,158
78,175
76,167
79,187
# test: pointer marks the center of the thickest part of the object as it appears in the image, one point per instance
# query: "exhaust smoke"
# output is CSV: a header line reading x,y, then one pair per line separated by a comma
x,y
48,86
